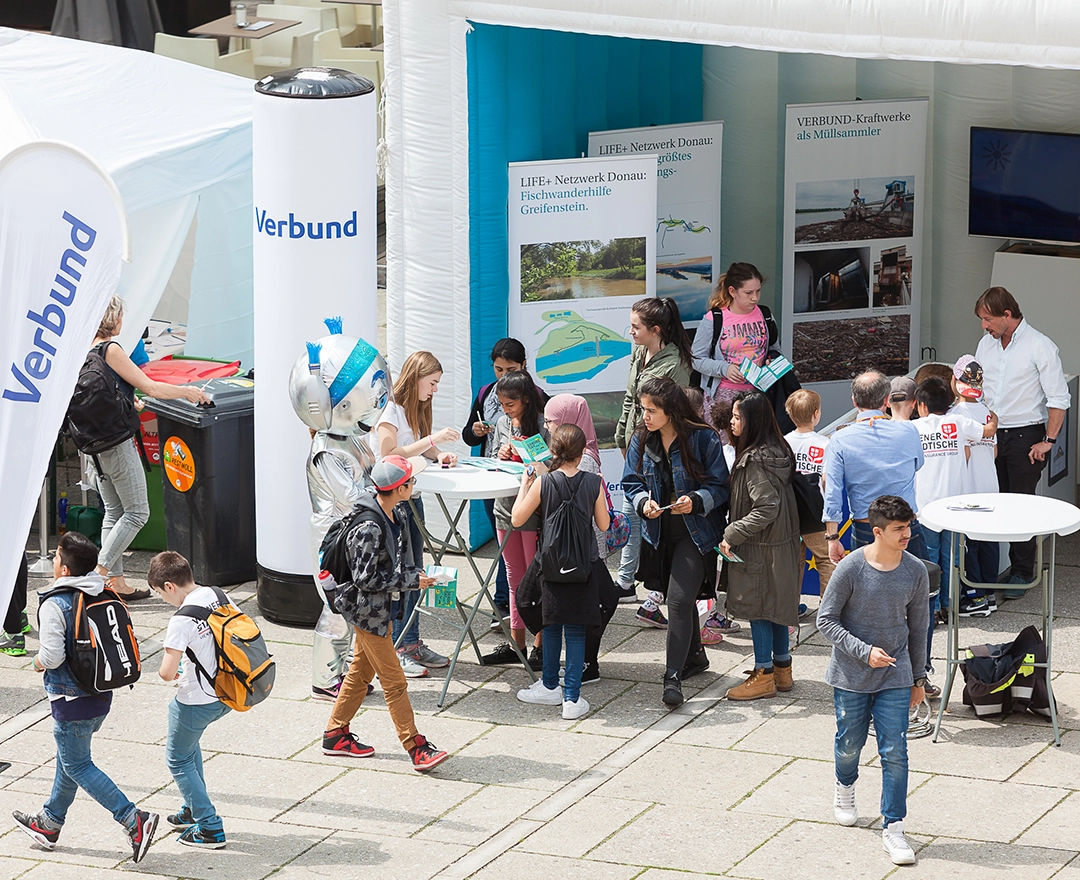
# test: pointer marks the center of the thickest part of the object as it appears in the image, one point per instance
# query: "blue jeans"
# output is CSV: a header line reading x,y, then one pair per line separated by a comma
x,y
502,583
939,547
411,599
981,562
184,757
889,710
631,551
75,769
771,642
575,658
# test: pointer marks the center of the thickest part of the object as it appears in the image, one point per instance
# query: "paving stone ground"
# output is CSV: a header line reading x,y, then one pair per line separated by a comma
x,y
630,791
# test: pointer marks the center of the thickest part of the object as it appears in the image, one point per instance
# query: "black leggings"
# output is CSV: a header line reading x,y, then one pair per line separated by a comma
x,y
684,584
609,601
13,618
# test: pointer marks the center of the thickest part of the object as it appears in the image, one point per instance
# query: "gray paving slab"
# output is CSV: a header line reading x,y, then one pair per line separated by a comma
x,y
811,851
584,826
945,858
802,729
529,866
1057,828
350,854
482,815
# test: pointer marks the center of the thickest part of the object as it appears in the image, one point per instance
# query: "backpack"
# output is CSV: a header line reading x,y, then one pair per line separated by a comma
x,y
245,670
565,548
808,502
100,415
102,651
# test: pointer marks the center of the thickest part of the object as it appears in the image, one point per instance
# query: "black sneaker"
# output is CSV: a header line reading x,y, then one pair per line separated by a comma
x,y
182,818
628,595
425,756
25,624
200,839
536,658
40,829
974,607
590,674
13,645
695,664
672,690
141,832
501,656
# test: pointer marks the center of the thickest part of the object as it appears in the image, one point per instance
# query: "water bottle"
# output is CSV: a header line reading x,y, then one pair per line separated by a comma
x,y
330,625
61,512
241,15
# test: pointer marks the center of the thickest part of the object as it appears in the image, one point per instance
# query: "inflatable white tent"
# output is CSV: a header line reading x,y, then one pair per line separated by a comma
x,y
464,75
176,138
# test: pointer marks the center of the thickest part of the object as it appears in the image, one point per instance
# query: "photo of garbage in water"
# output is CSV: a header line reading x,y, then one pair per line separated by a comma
x,y
832,280
854,209
824,351
892,278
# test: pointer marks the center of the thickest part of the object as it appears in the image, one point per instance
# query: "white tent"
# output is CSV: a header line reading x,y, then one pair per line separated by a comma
x,y
176,138
1009,64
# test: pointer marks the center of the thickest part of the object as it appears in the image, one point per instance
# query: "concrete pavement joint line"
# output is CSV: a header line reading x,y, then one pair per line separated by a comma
x,y
763,782
625,824
1043,816
487,852
26,719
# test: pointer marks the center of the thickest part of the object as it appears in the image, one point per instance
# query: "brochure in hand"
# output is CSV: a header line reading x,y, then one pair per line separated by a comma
x,y
532,449
730,556
763,378
494,464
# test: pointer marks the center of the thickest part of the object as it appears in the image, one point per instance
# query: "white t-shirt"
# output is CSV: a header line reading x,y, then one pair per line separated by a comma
x,y
981,473
943,441
729,456
392,415
809,449
185,632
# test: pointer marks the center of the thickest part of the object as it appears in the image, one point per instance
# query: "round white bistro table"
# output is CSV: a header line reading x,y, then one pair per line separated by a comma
x,y
462,484
1013,518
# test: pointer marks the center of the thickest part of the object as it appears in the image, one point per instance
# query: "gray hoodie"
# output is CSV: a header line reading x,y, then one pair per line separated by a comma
x,y
51,624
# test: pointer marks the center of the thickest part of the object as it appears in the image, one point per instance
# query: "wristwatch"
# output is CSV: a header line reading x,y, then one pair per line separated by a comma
x,y
835,536
920,682
1048,439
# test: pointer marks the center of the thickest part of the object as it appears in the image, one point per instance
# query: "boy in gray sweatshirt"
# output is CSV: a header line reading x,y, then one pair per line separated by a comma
x,y
876,613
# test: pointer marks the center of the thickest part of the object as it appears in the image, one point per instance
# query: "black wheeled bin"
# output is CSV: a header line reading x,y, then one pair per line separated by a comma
x,y
208,480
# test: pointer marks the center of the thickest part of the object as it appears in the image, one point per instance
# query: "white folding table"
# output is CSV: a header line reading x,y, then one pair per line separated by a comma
x,y
463,484
1013,518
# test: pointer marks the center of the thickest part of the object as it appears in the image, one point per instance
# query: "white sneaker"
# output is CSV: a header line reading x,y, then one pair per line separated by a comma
x,y
540,695
896,845
575,709
410,667
844,804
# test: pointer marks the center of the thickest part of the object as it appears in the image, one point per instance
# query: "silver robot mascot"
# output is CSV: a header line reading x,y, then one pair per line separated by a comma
x,y
339,390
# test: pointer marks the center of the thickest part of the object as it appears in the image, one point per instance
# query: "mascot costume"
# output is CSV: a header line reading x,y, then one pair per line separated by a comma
x,y
339,390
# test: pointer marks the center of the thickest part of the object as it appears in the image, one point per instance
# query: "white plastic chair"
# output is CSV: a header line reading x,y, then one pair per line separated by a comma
x,y
329,52
346,20
204,52
281,51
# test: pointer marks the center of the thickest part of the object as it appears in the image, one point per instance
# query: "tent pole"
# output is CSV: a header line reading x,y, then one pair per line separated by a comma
x,y
44,564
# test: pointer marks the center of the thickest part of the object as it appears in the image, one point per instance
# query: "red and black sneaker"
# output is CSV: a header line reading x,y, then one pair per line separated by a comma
x,y
38,827
141,833
424,755
340,742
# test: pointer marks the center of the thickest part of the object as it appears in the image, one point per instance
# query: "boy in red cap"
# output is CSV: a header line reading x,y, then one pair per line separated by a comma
x,y
378,549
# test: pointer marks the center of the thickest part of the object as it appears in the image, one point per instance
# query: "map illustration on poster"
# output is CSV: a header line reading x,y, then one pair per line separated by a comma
x,y
853,221
687,205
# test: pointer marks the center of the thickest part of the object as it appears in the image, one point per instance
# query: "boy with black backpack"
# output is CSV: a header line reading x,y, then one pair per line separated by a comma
x,y
77,712
196,705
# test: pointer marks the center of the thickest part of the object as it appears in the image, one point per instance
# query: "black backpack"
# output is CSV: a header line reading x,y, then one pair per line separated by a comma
x,y
567,542
808,502
102,651
100,415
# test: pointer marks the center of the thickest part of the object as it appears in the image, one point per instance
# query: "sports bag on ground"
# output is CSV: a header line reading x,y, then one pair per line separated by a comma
x,y
565,549
102,651
100,415
245,670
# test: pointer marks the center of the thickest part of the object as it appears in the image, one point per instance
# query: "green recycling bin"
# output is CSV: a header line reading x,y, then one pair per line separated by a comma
x,y
208,480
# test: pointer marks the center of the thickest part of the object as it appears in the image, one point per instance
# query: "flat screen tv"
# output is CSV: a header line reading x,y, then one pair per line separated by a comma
x,y
1024,184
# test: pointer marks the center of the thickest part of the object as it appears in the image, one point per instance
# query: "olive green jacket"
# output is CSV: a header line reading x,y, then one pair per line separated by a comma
x,y
665,362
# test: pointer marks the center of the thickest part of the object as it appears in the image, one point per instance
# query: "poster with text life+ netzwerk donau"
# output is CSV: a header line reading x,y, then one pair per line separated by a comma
x,y
581,252
687,205
854,201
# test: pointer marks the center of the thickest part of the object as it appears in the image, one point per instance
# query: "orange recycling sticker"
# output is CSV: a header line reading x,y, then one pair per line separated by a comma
x,y
179,463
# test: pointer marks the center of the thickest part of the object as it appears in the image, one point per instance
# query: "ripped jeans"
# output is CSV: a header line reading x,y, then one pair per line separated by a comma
x,y
889,710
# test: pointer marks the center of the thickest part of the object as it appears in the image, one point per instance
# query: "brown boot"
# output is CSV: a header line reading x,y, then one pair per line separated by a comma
x,y
782,677
760,684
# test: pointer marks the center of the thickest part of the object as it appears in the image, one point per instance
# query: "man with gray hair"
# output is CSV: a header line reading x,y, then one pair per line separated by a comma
x,y
871,457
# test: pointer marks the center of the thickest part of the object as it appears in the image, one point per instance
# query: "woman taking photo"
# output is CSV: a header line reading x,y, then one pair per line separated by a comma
x,y
763,530
405,429
571,409
662,349
675,478
746,330
120,478
568,609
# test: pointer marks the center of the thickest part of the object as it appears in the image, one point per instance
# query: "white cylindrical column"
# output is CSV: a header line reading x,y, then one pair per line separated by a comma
x,y
314,189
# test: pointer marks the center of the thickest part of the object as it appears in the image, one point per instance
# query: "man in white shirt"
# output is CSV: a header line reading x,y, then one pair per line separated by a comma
x,y
1024,384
